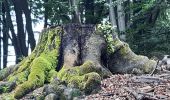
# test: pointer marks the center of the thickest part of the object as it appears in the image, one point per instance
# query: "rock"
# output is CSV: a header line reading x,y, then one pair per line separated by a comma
x,y
48,89
56,81
37,94
54,89
61,88
52,96
70,93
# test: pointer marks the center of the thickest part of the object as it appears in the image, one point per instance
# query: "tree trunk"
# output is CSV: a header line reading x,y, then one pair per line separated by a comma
x,y
112,14
78,52
0,42
45,13
76,14
121,17
27,12
20,27
121,21
5,31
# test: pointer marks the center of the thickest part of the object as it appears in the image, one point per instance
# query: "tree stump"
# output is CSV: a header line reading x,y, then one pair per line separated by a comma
x,y
76,54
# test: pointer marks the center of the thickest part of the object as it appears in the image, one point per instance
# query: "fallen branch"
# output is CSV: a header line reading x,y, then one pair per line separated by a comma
x,y
140,95
148,79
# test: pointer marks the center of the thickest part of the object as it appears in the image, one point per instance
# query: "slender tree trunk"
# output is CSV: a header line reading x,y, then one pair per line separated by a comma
x,y
15,43
20,27
121,21
0,42
112,16
5,37
121,17
45,14
27,12
128,13
76,14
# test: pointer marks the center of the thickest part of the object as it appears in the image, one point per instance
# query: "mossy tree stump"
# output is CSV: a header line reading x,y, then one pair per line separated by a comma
x,y
76,54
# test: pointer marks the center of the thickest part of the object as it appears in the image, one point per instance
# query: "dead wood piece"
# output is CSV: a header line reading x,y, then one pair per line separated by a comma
x,y
146,89
163,75
108,94
148,79
149,96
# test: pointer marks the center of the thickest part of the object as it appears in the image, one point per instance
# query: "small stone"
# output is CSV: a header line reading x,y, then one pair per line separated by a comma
x,y
61,88
56,81
48,89
52,96
70,93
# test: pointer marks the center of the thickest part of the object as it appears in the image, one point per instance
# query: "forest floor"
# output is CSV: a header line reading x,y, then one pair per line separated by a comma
x,y
132,87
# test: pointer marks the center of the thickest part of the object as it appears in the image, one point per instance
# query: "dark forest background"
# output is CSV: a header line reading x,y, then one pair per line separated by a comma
x,y
144,24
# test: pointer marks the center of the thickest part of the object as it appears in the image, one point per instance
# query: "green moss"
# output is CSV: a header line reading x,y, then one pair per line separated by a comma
x,y
36,78
51,75
42,67
148,67
125,49
20,77
87,67
92,81
23,89
4,72
26,63
84,77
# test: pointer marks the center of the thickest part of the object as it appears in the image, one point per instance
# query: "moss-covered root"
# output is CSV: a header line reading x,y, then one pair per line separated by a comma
x,y
4,73
124,60
84,77
39,69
